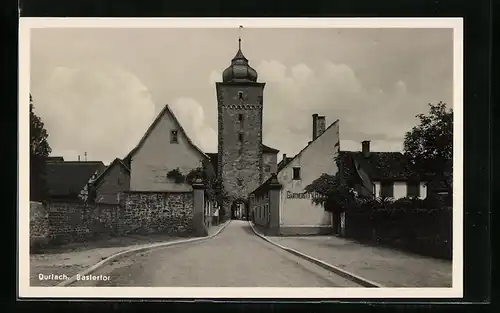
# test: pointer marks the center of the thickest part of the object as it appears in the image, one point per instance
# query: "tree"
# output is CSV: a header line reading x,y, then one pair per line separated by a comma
x,y
332,192
429,145
39,151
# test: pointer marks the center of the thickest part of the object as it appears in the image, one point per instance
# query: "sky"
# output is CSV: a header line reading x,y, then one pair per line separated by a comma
x,y
98,89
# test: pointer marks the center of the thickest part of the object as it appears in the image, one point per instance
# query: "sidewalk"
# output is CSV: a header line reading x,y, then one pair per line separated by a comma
x,y
388,267
71,259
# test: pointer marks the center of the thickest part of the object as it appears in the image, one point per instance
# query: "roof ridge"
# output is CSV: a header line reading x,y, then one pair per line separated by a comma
x,y
309,143
165,109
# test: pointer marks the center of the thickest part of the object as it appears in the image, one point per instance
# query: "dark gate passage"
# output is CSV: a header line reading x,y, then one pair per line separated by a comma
x,y
239,209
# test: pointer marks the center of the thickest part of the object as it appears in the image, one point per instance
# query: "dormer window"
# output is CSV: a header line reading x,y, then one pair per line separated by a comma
x,y
174,138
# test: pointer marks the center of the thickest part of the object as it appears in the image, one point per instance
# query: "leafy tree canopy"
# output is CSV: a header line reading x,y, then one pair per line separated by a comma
x,y
39,151
331,192
429,145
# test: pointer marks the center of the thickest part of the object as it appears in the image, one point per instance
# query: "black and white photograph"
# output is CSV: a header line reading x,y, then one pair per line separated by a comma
x,y
264,158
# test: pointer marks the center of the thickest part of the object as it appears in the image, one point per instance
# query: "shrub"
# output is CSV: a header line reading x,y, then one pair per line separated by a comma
x,y
176,176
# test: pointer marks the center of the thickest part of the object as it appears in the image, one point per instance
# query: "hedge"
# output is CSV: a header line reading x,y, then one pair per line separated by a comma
x,y
418,226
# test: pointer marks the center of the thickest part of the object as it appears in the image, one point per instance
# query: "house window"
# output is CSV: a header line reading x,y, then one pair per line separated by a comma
x,y
174,137
267,168
387,189
240,95
240,117
296,173
413,189
239,181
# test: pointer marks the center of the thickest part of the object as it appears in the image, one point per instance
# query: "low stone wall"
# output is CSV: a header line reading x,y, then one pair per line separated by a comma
x,y
72,221
39,225
148,212
174,213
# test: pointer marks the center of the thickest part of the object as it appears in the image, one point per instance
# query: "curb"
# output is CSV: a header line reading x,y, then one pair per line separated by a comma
x,y
352,277
93,268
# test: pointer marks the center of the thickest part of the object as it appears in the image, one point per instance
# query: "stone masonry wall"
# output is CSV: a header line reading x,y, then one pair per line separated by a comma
x,y
39,225
74,221
240,164
148,212
64,222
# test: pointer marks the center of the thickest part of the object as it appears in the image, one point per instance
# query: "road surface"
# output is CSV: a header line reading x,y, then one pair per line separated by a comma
x,y
234,258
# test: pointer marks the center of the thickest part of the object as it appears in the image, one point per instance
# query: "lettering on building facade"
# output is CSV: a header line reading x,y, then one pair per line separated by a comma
x,y
303,195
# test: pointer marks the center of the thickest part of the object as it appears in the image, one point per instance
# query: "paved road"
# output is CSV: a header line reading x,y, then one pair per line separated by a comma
x,y
234,258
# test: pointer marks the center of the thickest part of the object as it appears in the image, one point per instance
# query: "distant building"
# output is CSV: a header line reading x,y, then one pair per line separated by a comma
x,y
113,181
55,159
381,174
69,180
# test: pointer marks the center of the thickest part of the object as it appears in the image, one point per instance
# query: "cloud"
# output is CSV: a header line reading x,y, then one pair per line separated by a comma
x,y
192,117
95,91
293,94
100,109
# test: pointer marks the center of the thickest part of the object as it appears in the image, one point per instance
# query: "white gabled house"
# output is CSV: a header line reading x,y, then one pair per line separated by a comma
x,y
164,147
298,215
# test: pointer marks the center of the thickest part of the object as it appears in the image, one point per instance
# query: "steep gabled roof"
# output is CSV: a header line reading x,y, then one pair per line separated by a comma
x,y
165,110
379,165
116,161
307,146
68,178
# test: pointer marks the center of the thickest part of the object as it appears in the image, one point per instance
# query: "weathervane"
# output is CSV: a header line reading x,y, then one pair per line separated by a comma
x,y
239,36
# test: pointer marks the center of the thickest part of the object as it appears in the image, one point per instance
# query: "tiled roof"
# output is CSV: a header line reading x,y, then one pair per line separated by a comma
x,y
67,179
378,165
55,159
267,149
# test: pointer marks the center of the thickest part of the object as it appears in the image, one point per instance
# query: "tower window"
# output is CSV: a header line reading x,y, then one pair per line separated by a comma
x,y
240,117
240,95
174,137
240,137
296,173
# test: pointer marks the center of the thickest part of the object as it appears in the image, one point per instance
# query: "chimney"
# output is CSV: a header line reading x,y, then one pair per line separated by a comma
x,y
321,125
78,158
315,125
365,145
284,158
85,156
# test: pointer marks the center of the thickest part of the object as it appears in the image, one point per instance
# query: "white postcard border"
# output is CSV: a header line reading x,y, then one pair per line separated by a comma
x,y
26,291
